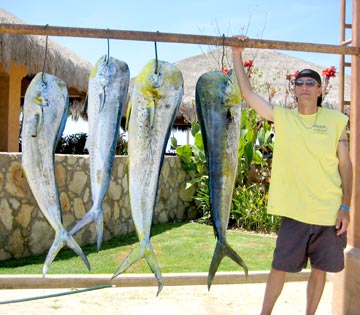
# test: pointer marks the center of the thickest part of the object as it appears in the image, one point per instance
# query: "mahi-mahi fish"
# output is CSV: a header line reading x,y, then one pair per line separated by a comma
x,y
219,114
155,99
45,113
108,87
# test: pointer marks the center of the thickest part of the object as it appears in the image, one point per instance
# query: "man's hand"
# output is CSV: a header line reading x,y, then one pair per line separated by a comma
x,y
342,221
239,50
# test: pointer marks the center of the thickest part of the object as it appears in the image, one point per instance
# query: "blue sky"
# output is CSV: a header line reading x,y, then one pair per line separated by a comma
x,y
316,21
299,21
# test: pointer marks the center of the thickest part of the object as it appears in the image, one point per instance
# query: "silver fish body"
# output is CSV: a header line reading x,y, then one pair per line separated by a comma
x,y
219,113
155,100
45,113
108,87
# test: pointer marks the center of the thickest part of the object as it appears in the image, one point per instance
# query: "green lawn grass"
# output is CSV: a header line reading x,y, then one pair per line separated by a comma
x,y
179,247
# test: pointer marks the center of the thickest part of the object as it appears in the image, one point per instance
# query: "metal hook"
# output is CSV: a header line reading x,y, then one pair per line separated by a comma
x,y
108,53
46,49
223,57
223,52
156,58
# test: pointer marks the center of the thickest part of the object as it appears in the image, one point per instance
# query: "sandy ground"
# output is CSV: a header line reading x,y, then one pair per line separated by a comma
x,y
229,299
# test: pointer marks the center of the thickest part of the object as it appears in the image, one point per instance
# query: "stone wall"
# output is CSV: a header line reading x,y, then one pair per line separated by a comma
x,y
24,231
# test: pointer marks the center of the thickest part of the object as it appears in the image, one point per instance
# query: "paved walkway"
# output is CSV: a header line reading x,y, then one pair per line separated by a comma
x,y
229,299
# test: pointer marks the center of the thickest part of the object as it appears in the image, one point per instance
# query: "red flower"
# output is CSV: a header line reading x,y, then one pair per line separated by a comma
x,y
290,77
225,70
329,72
248,64
295,74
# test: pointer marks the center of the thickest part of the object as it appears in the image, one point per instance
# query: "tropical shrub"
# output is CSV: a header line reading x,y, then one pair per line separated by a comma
x,y
72,144
250,196
76,144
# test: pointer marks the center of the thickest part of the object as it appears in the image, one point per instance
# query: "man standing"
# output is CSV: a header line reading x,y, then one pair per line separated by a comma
x,y
311,183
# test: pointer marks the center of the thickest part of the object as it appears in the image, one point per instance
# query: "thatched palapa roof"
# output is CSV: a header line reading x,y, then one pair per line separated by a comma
x,y
29,50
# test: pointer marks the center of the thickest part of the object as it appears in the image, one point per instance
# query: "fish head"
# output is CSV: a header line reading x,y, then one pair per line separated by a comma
x,y
42,87
232,98
219,86
46,100
218,104
150,79
38,92
157,81
156,78
232,95
106,73
103,71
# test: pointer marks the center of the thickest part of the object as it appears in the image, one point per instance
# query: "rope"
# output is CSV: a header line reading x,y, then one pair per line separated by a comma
x,y
56,294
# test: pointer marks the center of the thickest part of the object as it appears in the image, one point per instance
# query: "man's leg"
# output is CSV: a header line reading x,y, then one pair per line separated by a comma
x,y
274,285
315,289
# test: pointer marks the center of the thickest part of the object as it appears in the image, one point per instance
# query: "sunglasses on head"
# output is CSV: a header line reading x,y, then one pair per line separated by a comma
x,y
308,82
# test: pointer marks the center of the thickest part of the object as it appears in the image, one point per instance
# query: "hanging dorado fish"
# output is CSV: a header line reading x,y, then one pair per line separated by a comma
x,y
219,113
156,96
45,113
108,87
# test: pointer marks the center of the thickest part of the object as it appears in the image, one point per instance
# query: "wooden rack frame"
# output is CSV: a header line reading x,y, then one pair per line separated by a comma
x,y
27,29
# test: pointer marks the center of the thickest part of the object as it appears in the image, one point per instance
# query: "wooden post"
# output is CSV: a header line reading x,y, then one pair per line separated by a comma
x,y
341,74
16,73
346,291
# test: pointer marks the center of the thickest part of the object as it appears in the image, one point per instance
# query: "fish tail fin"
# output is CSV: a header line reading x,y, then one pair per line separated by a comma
x,y
223,249
61,239
71,243
94,214
56,246
135,255
154,266
142,251
99,223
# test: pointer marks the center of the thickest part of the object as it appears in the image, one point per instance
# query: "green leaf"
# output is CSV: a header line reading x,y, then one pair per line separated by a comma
x,y
184,151
195,128
248,153
199,141
195,181
173,142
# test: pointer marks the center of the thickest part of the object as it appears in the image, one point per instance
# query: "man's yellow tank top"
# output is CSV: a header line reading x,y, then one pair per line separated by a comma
x,y
305,181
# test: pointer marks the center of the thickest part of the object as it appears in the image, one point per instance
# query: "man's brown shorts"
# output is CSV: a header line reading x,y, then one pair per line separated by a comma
x,y
297,242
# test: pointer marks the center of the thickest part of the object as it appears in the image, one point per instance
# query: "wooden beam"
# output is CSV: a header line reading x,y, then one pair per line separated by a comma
x,y
27,29
136,280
